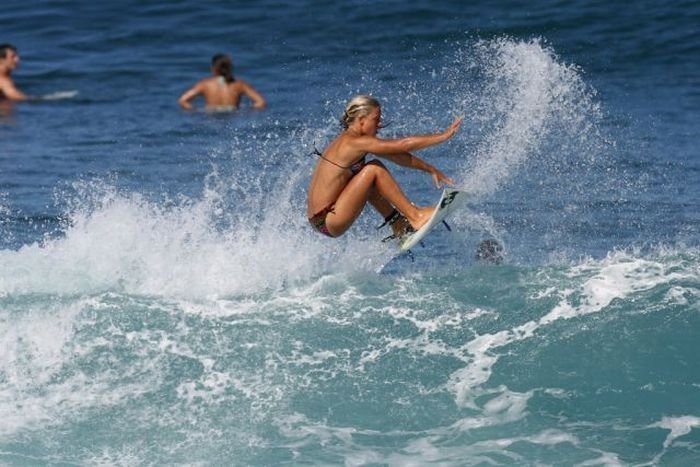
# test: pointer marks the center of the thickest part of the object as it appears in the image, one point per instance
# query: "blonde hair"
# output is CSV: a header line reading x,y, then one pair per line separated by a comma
x,y
359,106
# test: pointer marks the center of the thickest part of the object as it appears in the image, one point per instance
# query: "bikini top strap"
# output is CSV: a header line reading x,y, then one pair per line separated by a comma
x,y
318,153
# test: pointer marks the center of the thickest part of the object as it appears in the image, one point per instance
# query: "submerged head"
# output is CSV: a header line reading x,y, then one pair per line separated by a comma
x,y
490,251
359,107
222,65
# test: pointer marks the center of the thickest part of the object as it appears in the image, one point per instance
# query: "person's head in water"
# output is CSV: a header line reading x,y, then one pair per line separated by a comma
x,y
9,56
221,65
9,61
359,106
4,48
490,251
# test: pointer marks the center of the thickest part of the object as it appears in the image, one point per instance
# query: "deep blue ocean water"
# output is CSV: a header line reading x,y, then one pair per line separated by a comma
x,y
163,300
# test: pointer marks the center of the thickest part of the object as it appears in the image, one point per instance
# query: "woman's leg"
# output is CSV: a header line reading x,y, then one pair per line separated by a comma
x,y
374,176
384,207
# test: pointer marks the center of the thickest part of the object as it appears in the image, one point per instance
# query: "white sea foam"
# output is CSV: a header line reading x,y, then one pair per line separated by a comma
x,y
131,245
600,283
606,459
32,347
678,426
505,407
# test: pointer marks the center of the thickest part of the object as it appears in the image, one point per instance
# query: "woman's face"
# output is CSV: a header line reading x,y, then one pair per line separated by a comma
x,y
371,121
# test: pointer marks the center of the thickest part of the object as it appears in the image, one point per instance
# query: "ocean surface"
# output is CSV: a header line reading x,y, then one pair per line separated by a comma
x,y
163,300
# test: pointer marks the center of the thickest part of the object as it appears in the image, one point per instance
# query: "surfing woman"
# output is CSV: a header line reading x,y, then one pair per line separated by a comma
x,y
342,182
222,91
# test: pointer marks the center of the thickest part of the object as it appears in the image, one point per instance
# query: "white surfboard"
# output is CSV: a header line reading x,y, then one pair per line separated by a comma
x,y
449,200
59,96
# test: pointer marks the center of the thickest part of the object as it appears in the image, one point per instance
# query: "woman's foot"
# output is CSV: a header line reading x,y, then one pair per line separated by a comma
x,y
400,226
422,217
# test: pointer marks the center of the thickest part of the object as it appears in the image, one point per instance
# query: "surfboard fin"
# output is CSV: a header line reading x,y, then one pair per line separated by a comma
x,y
389,237
392,219
409,230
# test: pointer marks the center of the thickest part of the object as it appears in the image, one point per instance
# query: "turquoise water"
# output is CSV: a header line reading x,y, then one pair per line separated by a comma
x,y
163,300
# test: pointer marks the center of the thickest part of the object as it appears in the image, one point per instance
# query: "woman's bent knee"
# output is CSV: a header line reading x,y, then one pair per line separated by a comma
x,y
375,164
375,168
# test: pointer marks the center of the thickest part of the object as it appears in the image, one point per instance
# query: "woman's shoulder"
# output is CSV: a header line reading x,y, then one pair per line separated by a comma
x,y
206,82
239,83
349,146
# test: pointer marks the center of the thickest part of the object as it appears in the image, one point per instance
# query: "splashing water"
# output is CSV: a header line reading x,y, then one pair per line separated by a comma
x,y
201,328
526,97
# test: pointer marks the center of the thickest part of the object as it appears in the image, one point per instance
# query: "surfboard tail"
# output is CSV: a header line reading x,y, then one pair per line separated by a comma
x,y
449,200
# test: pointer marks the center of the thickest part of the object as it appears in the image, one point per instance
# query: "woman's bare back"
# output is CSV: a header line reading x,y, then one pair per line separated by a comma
x,y
217,92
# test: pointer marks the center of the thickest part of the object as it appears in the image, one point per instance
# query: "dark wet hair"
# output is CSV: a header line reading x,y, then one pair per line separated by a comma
x,y
490,251
5,47
223,66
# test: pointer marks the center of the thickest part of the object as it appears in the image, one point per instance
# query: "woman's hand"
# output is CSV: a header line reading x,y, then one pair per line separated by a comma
x,y
452,129
440,178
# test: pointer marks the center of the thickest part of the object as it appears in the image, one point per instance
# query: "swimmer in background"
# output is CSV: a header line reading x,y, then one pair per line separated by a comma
x,y
9,60
222,91
342,182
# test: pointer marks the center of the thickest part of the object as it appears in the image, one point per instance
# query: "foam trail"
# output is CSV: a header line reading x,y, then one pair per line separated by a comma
x,y
59,95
